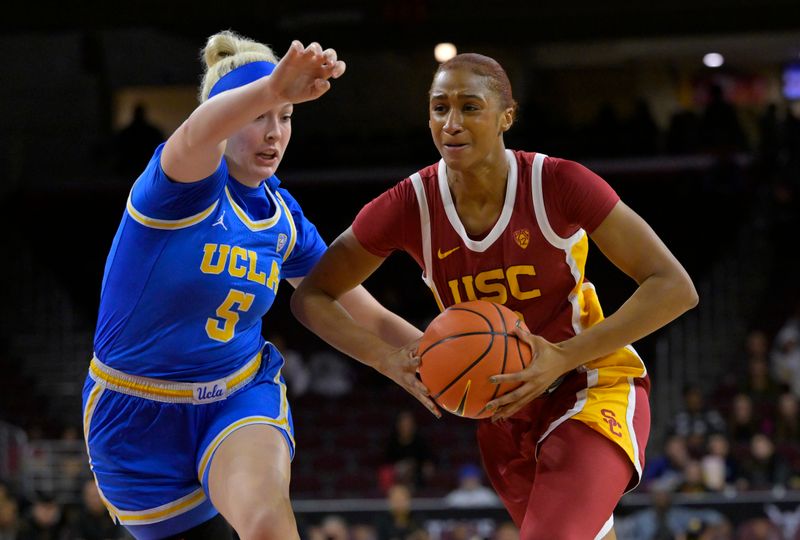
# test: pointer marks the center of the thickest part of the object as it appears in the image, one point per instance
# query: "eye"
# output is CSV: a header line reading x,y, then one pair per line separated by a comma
x,y
438,108
471,107
261,116
286,118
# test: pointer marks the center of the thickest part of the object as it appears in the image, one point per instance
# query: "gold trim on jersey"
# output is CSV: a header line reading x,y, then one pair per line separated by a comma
x,y
163,512
168,224
166,391
253,225
292,226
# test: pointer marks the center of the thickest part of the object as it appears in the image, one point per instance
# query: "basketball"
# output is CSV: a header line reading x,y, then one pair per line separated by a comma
x,y
465,345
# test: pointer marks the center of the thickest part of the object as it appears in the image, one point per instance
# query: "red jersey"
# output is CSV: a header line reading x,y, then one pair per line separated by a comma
x,y
533,258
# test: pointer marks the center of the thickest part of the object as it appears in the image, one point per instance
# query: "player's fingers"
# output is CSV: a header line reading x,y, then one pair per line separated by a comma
x,y
330,57
314,49
506,399
506,412
428,402
507,377
295,49
338,69
421,388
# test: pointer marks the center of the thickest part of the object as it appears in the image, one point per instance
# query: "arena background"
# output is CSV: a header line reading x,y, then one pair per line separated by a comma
x,y
620,88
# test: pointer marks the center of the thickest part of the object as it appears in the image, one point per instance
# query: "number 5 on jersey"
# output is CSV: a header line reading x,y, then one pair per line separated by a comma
x,y
229,315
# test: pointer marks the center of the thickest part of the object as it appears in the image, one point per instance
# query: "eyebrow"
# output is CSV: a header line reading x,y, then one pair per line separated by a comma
x,y
442,95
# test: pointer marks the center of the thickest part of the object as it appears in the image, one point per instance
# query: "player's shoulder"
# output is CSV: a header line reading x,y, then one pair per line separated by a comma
x,y
553,168
405,188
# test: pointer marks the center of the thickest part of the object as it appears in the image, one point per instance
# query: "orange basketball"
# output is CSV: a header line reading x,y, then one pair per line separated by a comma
x,y
465,345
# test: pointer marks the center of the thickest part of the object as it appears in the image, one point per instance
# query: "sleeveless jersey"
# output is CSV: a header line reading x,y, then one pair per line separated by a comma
x,y
532,260
192,270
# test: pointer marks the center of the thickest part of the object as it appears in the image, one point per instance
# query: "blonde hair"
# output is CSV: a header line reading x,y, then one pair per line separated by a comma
x,y
227,51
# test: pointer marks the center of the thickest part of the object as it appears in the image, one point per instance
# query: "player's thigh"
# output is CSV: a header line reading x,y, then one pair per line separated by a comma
x,y
580,478
249,476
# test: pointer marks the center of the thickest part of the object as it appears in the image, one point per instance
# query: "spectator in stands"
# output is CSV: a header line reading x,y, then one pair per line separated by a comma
x,y
470,491
294,370
692,481
721,130
91,522
787,420
135,142
642,131
665,521
44,520
363,531
719,458
696,422
667,469
742,424
399,522
506,531
785,355
683,134
9,518
332,528
331,374
759,528
763,469
760,385
409,452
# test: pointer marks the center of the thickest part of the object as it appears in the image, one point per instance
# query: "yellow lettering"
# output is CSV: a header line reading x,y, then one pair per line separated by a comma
x,y
468,288
454,289
512,275
233,267
482,284
252,273
229,315
274,277
209,267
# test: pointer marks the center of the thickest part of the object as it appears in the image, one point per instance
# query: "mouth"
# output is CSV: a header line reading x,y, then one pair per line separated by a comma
x,y
453,147
267,157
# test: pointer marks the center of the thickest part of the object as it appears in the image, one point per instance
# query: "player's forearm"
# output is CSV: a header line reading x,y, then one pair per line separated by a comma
x,y
656,302
373,316
326,317
217,119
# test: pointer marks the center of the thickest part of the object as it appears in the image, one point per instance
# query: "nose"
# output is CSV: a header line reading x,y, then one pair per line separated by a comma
x,y
452,124
271,128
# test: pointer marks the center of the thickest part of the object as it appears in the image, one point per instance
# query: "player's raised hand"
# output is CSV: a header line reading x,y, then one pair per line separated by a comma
x,y
401,366
303,73
544,369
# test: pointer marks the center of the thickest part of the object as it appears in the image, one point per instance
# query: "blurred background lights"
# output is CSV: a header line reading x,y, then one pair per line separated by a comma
x,y
444,52
713,60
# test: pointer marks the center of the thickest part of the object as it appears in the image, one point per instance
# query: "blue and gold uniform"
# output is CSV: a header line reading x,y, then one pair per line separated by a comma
x,y
180,362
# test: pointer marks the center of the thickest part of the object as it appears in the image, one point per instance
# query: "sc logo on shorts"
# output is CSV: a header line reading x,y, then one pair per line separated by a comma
x,y
611,419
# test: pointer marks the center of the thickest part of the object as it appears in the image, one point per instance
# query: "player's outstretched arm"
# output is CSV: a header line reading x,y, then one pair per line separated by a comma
x,y
195,149
331,303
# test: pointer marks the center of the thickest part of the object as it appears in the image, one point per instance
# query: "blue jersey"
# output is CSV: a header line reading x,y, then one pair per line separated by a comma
x,y
192,270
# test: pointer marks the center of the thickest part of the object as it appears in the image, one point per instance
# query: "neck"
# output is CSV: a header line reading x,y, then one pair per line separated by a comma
x,y
485,182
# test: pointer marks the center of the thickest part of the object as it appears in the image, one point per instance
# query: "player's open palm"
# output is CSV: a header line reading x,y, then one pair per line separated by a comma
x,y
401,366
545,368
303,73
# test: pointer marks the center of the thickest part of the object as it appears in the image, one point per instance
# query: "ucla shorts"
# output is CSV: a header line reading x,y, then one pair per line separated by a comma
x,y
151,442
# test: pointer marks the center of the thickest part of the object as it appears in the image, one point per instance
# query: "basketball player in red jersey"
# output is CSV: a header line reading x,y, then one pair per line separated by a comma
x,y
512,227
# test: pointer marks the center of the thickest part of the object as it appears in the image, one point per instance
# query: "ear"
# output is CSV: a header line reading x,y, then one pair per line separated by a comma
x,y
507,120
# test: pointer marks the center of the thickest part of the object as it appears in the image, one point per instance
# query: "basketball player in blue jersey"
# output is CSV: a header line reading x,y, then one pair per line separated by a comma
x,y
185,410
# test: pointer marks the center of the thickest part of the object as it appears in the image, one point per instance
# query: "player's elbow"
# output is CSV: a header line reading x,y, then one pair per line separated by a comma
x,y
299,301
686,292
